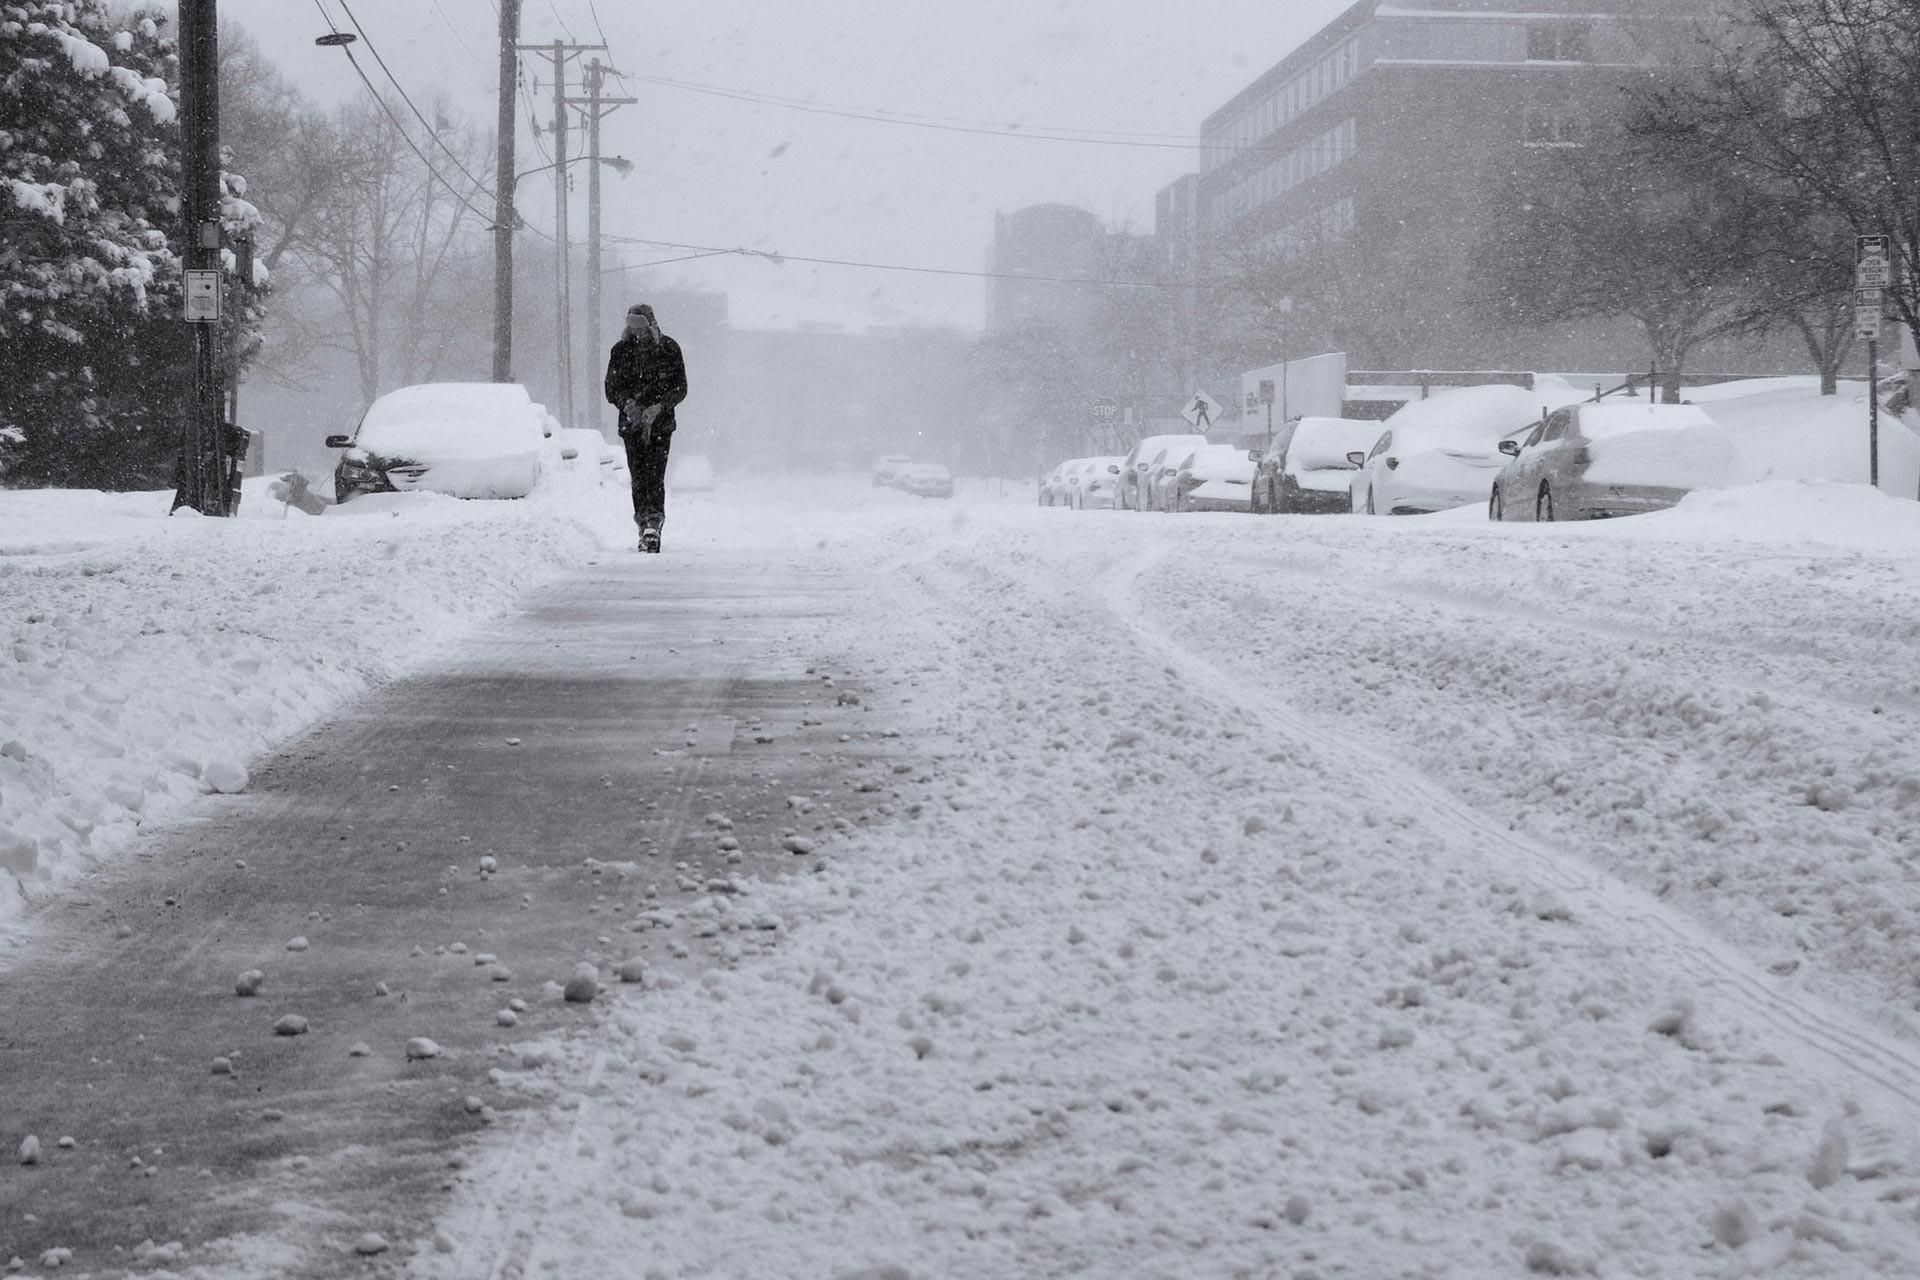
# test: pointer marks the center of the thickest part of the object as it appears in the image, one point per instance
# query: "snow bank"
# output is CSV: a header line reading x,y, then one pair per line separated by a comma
x,y
146,661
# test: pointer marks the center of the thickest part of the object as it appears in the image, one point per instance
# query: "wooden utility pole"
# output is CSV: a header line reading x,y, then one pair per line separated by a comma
x,y
598,106
562,53
201,479
563,248
504,217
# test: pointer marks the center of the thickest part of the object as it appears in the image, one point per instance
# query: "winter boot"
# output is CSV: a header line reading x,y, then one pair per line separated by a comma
x,y
650,538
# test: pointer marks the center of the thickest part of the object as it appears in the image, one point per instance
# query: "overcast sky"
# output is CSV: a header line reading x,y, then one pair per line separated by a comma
x,y
716,171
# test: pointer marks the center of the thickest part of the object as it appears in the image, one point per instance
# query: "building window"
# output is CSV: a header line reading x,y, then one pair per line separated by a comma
x,y
1559,42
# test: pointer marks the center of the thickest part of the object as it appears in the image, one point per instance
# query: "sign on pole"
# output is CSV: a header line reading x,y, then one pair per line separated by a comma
x,y
1868,304
1201,410
1106,412
203,296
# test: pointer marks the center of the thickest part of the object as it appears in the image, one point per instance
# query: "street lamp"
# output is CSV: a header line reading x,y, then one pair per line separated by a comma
x,y
336,39
619,164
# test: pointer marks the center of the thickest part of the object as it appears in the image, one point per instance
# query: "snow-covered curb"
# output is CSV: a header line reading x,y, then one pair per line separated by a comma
x,y
147,661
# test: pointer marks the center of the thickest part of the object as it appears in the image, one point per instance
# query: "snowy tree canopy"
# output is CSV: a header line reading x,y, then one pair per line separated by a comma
x,y
89,284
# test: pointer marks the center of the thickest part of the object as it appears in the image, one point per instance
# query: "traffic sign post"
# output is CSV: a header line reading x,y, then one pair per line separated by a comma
x,y
1201,411
1872,277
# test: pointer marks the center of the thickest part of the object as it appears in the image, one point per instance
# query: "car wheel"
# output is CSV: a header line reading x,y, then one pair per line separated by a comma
x,y
1543,507
1495,510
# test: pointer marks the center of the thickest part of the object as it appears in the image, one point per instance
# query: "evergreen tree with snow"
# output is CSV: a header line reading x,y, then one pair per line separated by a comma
x,y
97,368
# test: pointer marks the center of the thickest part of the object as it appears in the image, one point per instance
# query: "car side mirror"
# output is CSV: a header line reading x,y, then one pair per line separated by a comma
x,y
568,453
1113,468
1253,455
1510,447
339,442
1357,458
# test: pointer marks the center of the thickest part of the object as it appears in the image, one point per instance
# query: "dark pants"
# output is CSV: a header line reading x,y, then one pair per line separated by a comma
x,y
647,466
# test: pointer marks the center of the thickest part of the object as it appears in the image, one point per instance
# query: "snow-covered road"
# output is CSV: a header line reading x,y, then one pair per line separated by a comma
x,y
1306,897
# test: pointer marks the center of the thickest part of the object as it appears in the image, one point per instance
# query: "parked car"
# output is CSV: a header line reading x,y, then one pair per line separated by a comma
x,y
1131,495
1214,477
1593,461
1308,469
585,450
467,439
886,471
1157,480
927,480
1097,484
1057,489
1265,492
1443,452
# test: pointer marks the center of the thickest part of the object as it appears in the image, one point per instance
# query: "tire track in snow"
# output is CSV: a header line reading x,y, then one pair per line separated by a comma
x,y
1830,1043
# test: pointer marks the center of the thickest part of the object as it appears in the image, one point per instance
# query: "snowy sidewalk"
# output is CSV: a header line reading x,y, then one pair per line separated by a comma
x,y
1182,958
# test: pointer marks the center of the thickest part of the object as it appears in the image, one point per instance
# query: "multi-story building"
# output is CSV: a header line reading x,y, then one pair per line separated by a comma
x,y
1391,130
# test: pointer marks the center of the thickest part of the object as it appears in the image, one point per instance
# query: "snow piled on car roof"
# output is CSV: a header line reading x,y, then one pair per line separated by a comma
x,y
453,419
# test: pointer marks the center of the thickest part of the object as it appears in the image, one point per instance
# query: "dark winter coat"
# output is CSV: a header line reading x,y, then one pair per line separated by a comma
x,y
649,372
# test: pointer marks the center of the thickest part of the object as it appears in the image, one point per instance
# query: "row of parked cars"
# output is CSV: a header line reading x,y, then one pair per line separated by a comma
x,y
1162,473
1542,454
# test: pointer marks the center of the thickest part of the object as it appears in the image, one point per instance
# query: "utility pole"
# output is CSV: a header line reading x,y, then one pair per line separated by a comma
x,y
202,480
504,217
562,53
598,107
563,247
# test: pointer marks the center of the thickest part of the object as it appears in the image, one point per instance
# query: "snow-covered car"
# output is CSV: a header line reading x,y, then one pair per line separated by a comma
x,y
467,439
586,450
1096,484
1309,467
1592,461
1214,477
691,474
887,470
927,480
1057,489
1443,452
1133,492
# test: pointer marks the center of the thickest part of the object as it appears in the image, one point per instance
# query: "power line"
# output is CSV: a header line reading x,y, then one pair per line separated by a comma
x,y
965,123
431,131
401,128
460,39
706,250
1036,133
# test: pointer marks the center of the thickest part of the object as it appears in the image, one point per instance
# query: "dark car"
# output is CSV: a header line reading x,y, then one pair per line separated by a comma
x,y
1308,470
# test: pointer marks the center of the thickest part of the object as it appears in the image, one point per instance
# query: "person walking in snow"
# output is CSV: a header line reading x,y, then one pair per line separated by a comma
x,y
646,378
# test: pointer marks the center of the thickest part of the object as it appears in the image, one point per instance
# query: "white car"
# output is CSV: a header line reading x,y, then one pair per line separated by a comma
x,y
1097,485
1136,469
1444,451
927,480
886,471
467,439
1214,477
586,450
1056,490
